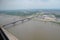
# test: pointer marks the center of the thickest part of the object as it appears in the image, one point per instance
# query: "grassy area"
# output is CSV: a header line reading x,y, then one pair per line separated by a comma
x,y
56,22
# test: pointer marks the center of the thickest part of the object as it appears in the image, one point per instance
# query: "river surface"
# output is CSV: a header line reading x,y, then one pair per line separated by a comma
x,y
36,30
33,29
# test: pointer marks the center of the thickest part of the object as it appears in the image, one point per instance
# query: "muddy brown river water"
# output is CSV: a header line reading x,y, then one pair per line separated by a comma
x,y
32,29
36,30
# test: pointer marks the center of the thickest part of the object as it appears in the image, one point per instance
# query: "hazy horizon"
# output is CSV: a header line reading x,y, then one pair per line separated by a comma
x,y
29,4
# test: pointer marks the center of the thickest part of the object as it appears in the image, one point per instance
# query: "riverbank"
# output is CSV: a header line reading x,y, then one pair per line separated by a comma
x,y
8,35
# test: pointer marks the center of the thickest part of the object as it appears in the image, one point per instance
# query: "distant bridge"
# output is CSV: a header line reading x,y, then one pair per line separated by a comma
x,y
22,21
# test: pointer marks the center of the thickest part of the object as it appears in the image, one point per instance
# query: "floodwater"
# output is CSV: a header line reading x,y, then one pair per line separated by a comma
x,y
31,30
36,30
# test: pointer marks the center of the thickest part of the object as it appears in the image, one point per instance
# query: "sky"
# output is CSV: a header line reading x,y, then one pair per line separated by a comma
x,y
29,4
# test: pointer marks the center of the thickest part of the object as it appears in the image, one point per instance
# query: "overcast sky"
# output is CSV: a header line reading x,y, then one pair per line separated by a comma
x,y
29,4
